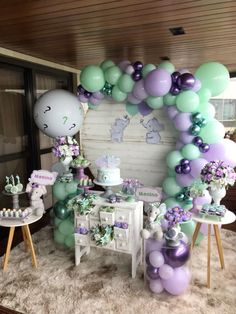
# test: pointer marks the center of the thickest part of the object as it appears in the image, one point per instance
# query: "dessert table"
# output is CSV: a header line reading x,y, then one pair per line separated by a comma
x,y
24,224
211,221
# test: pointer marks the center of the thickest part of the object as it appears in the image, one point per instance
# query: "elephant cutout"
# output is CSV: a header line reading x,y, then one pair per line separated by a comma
x,y
153,127
117,129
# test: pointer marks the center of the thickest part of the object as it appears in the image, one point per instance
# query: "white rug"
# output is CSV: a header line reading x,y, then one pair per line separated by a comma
x,y
102,282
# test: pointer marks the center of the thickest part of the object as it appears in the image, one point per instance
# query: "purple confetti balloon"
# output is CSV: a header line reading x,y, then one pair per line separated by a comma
x,y
138,65
144,109
176,256
158,82
152,272
186,81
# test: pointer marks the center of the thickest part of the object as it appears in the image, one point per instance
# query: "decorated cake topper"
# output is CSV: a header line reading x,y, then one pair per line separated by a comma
x,y
108,161
13,185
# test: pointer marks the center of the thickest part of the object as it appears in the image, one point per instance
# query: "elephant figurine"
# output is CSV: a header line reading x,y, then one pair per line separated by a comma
x,y
153,127
117,129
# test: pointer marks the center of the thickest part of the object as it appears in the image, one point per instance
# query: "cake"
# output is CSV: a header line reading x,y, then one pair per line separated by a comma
x,y
108,171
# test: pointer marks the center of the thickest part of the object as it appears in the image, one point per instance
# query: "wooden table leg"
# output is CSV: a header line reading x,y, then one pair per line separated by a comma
x,y
31,246
209,258
219,246
24,238
195,234
9,243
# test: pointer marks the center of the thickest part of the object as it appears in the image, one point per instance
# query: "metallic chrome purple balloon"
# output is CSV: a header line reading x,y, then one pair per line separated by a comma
x,y
152,272
174,90
87,94
186,169
184,161
174,76
204,147
185,81
138,65
197,141
178,169
176,256
80,89
137,75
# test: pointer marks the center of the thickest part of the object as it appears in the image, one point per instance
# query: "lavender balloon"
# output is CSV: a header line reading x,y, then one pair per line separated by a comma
x,y
158,82
156,286
166,271
178,283
94,101
123,65
176,256
184,179
185,137
98,95
172,111
144,109
196,166
182,121
152,272
139,90
133,100
197,85
129,69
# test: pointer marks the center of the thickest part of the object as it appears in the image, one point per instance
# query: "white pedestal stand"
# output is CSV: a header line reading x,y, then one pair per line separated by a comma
x,y
107,186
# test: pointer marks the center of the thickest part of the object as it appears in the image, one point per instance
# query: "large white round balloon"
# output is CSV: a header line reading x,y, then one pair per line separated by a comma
x,y
58,113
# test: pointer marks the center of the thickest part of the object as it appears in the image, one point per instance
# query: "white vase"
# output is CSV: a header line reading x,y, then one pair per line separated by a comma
x,y
66,163
217,194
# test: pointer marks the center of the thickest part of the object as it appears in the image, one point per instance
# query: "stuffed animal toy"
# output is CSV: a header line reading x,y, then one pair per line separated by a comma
x,y
36,203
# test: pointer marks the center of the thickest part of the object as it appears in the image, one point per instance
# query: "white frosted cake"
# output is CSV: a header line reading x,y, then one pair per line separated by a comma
x,y
108,171
108,175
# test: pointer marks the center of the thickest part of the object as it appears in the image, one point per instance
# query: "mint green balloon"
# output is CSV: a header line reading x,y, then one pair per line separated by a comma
x,y
106,64
187,207
171,172
66,227
112,74
213,132
169,99
172,202
187,101
117,94
170,186
126,83
188,228
70,241
59,190
92,78
71,187
58,236
204,95
173,159
131,109
148,68
190,151
168,66
154,102
213,76
57,221
207,110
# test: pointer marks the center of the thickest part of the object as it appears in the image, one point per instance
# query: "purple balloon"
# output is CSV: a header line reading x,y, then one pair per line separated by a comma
x,y
166,271
144,109
174,90
152,272
178,169
98,95
185,137
137,75
129,69
196,166
123,65
139,90
184,161
186,81
174,76
197,85
156,286
186,169
172,111
158,82
152,244
133,100
184,179
179,145
197,141
94,101
204,148
138,65
87,94
80,89
182,121
176,256
82,98
178,282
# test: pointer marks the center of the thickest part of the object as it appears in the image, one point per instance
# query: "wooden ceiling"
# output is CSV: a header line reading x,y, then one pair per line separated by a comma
x,y
77,33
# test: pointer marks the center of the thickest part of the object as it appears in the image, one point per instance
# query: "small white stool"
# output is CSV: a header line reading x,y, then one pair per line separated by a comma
x,y
227,219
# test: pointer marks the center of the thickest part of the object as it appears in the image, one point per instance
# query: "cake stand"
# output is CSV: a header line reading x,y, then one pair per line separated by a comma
x,y
107,186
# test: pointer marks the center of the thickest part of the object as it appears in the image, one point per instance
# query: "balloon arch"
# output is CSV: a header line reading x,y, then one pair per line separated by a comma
x,y
184,96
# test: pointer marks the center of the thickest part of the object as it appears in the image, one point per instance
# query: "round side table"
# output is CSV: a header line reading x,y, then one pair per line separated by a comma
x,y
24,224
227,219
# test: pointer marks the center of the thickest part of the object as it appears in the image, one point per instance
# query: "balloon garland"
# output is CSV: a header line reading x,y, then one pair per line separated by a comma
x,y
184,96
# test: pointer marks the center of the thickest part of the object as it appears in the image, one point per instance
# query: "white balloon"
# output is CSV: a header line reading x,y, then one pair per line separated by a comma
x,y
58,113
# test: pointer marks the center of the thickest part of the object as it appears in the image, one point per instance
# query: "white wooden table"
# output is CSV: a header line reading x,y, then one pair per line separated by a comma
x,y
227,219
24,224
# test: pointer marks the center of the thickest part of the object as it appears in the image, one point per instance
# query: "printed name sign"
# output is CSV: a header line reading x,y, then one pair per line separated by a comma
x,y
43,177
149,194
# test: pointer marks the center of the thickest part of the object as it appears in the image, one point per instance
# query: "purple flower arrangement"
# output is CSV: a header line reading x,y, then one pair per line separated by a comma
x,y
174,216
129,186
65,146
217,174
81,230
